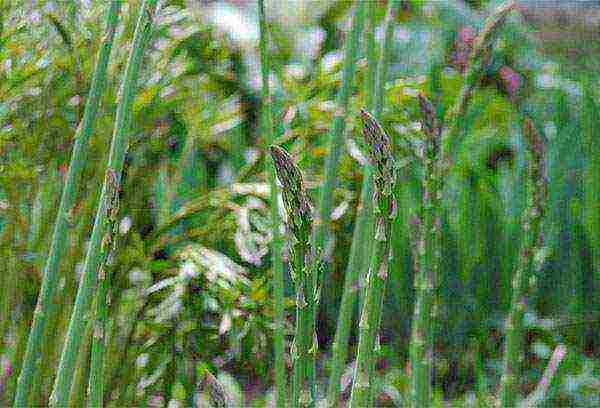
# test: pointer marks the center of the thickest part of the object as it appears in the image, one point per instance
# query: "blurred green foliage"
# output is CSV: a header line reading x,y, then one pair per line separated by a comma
x,y
192,276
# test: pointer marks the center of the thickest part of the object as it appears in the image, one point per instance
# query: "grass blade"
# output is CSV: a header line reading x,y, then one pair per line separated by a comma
x,y
59,236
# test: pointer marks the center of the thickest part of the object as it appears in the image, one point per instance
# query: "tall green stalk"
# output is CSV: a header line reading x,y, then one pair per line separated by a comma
x,y
339,125
82,369
365,204
429,256
530,246
304,271
67,203
360,249
380,155
276,246
60,393
371,52
96,377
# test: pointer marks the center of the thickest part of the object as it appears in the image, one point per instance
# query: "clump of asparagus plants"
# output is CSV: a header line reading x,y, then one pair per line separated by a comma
x,y
530,245
304,273
435,154
384,203
67,203
360,250
85,292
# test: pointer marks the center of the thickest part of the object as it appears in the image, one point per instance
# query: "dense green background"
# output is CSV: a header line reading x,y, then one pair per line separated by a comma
x,y
192,268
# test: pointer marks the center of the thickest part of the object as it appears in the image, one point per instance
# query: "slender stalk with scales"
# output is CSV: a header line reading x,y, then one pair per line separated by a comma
x,y
360,249
276,246
64,376
530,245
384,179
339,125
304,270
429,255
96,378
65,210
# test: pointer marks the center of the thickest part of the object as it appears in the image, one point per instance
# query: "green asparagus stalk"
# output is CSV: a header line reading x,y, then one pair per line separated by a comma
x,y
300,221
60,393
366,226
339,125
428,252
96,379
276,246
380,156
371,52
360,248
531,244
61,227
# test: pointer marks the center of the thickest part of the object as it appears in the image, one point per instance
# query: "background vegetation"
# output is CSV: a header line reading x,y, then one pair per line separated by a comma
x,y
190,301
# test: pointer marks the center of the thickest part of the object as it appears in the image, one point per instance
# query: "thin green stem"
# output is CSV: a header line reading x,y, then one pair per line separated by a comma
x,y
60,393
338,127
276,244
531,244
385,56
82,370
304,271
371,52
96,380
360,249
96,377
385,209
370,317
303,395
365,246
63,218
429,257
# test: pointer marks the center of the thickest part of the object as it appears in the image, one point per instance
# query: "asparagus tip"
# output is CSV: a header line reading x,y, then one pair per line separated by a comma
x,y
533,137
295,198
429,121
380,151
